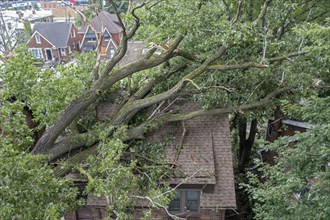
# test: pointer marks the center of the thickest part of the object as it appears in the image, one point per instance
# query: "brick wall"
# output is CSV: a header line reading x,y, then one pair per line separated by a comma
x,y
43,44
73,41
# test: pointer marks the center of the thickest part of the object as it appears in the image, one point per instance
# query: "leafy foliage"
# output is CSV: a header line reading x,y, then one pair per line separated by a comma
x,y
125,176
298,185
256,61
29,189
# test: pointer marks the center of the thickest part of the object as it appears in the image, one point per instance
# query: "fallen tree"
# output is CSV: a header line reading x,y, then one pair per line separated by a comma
x,y
240,62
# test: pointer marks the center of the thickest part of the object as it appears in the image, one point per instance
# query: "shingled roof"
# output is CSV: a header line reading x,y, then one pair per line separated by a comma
x,y
56,33
110,22
204,154
201,148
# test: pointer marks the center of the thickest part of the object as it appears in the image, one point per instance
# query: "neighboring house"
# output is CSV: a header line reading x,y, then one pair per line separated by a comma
x,y
54,41
285,127
279,127
204,177
106,24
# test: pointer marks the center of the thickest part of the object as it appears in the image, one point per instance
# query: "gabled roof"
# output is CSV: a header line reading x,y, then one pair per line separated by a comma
x,y
201,147
110,22
56,33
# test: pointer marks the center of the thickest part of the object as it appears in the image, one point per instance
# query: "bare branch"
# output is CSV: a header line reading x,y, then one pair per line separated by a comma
x,y
186,55
105,81
154,4
113,4
237,66
158,205
238,13
152,123
263,11
285,57
253,64
227,9
137,22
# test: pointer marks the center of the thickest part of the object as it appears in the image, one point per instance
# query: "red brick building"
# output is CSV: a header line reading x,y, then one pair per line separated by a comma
x,y
53,41
204,179
105,24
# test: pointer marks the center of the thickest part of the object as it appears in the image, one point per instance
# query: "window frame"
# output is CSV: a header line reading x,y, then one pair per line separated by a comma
x,y
38,39
183,202
106,36
36,52
63,51
88,39
73,34
112,52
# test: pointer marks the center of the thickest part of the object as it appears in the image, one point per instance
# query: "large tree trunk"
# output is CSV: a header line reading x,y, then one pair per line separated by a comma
x,y
245,144
37,133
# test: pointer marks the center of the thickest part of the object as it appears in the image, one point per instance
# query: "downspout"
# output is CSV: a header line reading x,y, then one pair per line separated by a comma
x,y
59,55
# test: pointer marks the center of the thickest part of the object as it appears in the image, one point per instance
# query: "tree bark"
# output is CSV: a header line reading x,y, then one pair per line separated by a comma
x,y
245,145
105,82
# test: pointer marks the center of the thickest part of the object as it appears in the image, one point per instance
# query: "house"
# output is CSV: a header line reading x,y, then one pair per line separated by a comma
x,y
204,180
53,41
13,32
106,24
286,127
280,127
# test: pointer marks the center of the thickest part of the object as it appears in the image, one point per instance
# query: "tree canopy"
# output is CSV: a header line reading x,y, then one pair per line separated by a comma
x,y
231,57
297,186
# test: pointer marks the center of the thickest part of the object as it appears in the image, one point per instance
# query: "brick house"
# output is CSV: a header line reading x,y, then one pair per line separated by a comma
x,y
204,181
53,41
279,127
112,34
285,127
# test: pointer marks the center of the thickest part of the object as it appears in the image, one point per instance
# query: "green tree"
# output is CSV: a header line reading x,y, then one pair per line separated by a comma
x,y
297,187
230,58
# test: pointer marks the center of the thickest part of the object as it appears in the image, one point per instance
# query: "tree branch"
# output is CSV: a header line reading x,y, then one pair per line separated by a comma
x,y
153,123
105,81
263,11
227,9
237,66
255,65
238,13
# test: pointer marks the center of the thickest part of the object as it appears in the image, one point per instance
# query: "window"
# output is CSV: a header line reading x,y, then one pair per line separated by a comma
x,y
185,201
36,53
112,52
106,36
73,34
63,53
103,50
90,37
88,48
38,39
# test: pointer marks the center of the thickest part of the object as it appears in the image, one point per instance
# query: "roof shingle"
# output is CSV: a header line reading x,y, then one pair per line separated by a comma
x,y
56,33
110,22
